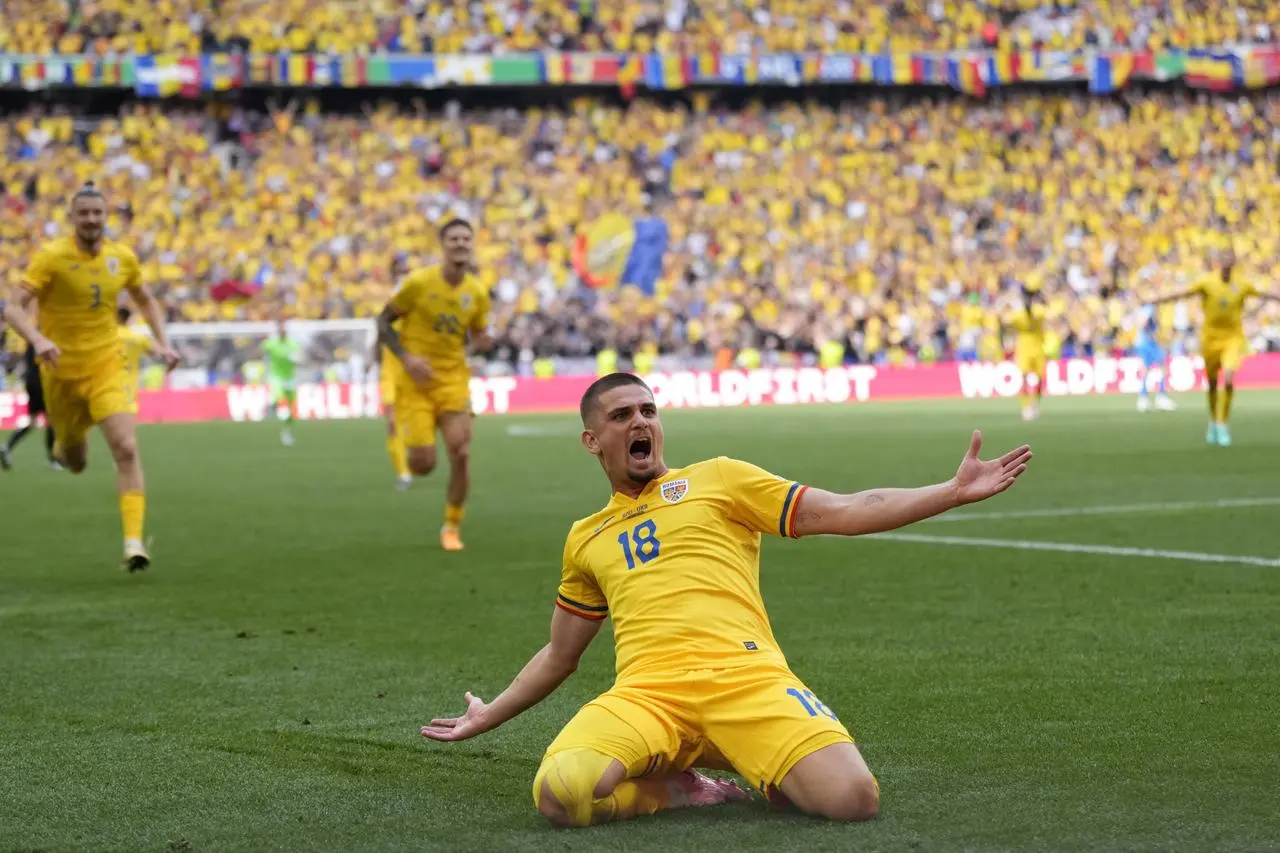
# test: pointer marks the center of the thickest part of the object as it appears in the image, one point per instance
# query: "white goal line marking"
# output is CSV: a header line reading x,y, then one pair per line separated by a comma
x,y
1114,509
1075,548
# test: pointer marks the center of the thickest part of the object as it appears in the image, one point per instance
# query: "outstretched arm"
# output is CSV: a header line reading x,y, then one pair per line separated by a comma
x,y
878,510
1174,297
547,670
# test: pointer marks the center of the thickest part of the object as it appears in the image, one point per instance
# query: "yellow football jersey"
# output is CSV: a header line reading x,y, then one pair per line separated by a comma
x,y
1029,324
1223,304
77,294
435,317
134,343
678,567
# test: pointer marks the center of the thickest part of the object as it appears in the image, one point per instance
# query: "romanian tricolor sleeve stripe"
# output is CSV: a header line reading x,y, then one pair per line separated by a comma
x,y
787,522
577,608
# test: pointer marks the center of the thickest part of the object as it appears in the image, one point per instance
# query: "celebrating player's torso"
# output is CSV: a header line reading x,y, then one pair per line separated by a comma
x,y
436,317
678,568
1223,305
1029,324
77,293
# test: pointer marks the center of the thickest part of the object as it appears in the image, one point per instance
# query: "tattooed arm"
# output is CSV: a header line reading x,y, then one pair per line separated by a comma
x,y
418,368
388,334
878,510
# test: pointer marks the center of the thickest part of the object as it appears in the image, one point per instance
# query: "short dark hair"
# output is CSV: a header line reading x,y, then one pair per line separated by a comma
x,y
89,190
453,223
123,313
603,385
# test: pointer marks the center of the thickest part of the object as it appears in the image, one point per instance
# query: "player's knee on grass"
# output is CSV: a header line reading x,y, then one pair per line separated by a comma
x,y
422,460
834,783
568,783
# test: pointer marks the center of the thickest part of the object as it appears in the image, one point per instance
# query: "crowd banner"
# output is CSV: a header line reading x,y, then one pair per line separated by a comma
x,y
690,389
1228,68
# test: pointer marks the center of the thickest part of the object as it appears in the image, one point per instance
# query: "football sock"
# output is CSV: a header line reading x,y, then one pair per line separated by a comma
x,y
399,458
17,436
1213,402
453,515
133,507
1224,402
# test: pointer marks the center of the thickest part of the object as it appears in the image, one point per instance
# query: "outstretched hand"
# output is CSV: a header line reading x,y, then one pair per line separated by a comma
x,y
976,480
470,724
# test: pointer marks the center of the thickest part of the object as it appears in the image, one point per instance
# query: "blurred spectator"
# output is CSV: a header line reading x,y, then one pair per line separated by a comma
x,y
889,230
690,26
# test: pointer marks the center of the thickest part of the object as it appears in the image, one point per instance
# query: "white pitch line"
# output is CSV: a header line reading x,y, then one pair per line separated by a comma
x,y
1068,511
1074,548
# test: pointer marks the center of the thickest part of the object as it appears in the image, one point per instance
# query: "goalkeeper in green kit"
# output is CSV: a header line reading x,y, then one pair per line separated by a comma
x,y
283,357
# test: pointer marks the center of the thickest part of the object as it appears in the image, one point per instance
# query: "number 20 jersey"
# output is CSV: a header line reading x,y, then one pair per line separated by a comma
x,y
678,568
436,318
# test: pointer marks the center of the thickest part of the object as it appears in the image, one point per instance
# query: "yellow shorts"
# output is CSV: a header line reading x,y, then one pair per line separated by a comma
x,y
75,405
418,407
1030,363
1223,352
758,722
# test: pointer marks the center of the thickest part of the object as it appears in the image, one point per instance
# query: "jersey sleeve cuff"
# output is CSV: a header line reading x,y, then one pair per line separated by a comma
x,y
787,521
586,611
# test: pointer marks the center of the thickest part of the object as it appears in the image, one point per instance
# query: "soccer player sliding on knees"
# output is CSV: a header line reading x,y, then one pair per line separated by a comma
x,y
701,682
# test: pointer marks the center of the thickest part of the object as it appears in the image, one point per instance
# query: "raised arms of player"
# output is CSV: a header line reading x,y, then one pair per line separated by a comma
x,y
547,670
878,510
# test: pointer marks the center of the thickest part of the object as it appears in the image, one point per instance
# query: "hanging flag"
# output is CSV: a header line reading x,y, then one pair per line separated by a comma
x,y
300,70
189,76
1110,72
146,82
33,74
1206,70
904,69
355,72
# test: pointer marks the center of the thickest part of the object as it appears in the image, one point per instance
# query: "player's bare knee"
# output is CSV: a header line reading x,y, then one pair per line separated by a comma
x,y
550,808
853,799
568,783
460,456
125,452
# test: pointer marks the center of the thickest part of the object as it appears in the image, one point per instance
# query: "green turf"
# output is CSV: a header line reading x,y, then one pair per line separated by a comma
x,y
262,687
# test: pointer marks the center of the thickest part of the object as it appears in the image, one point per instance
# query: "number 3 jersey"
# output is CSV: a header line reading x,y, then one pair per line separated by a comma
x,y
77,294
437,316
678,568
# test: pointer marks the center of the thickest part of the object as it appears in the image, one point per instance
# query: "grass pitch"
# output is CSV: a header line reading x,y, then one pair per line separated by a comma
x,y
261,688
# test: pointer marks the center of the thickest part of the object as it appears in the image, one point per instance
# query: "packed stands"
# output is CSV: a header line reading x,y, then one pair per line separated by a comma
x,y
883,229
687,26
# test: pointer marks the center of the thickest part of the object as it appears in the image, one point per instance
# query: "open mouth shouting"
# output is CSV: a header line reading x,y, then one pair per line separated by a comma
x,y
641,449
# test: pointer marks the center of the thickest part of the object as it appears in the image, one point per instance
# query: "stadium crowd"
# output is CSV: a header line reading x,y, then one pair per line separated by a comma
x,y
888,229
689,26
